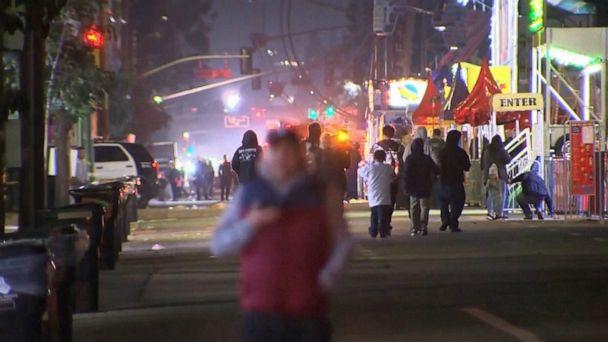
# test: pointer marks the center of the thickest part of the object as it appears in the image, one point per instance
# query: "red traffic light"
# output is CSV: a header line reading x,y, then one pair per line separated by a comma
x,y
93,37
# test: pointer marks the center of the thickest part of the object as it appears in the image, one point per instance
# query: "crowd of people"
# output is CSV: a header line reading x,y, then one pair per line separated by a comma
x,y
426,169
423,171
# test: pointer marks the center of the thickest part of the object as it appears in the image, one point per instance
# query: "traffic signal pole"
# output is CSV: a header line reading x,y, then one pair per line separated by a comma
x,y
189,59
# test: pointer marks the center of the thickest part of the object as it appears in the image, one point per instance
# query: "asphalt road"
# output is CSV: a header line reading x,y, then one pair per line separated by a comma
x,y
506,281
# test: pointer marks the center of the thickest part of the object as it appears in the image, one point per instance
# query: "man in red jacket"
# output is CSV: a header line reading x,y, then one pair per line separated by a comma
x,y
292,239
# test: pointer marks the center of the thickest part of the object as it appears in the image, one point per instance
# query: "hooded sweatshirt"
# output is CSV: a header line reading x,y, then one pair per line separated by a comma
x,y
419,171
454,160
420,134
496,154
531,183
246,157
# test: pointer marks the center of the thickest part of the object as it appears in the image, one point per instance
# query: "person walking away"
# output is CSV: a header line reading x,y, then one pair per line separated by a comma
x,y
493,191
199,179
245,158
496,154
209,180
274,222
225,174
312,146
534,192
394,154
81,176
352,179
454,163
379,177
420,134
419,172
436,145
172,175
332,164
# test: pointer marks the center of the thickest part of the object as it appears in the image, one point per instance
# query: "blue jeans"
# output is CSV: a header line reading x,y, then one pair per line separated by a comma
x,y
270,327
380,220
452,199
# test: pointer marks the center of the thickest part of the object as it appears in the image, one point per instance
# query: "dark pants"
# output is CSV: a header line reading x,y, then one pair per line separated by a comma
x,y
452,199
380,220
525,201
267,327
225,190
391,210
175,191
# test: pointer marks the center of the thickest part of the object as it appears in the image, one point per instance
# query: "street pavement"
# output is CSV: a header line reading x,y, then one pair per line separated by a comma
x,y
497,281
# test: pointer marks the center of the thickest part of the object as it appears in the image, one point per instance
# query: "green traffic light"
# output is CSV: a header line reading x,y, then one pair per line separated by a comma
x,y
313,114
330,111
157,99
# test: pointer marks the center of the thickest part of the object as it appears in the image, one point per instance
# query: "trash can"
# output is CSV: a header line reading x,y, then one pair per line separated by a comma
x,y
112,197
23,289
68,246
88,217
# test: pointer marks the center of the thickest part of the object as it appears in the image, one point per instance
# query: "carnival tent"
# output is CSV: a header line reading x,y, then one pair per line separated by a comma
x,y
476,108
430,106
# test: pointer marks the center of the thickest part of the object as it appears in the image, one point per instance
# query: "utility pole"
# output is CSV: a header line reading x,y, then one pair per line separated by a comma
x,y
33,174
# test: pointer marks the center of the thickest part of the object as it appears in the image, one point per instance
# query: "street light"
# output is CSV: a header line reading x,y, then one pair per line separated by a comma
x,y
232,101
157,99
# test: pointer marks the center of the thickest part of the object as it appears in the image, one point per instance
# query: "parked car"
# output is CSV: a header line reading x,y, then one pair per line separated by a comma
x,y
118,159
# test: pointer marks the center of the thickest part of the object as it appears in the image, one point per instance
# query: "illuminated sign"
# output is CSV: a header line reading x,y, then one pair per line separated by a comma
x,y
406,92
242,121
517,102
537,15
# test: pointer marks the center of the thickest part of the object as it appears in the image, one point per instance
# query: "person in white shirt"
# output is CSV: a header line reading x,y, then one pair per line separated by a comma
x,y
378,175
81,176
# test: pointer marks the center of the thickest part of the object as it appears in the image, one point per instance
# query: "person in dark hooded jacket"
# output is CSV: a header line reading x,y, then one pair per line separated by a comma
x,y
312,146
246,157
498,155
419,173
534,192
454,163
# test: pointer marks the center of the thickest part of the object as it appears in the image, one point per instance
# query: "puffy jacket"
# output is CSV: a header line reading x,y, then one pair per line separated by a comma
x,y
532,184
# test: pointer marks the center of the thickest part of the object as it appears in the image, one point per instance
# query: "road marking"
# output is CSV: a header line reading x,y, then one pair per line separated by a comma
x,y
600,239
367,253
500,324
574,234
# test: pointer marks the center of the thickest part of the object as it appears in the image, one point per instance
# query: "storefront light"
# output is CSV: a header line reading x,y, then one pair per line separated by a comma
x,y
570,58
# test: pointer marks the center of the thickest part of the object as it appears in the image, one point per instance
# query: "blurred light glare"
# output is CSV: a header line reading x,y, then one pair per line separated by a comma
x,y
352,89
440,28
232,101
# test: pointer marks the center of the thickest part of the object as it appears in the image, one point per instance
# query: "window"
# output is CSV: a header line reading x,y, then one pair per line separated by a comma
x,y
109,154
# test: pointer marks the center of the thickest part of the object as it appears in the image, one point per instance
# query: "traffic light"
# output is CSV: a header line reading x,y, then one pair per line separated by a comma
x,y
313,114
190,151
93,37
330,111
246,62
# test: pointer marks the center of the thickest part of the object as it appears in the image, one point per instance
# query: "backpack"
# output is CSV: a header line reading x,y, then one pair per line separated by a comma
x,y
392,157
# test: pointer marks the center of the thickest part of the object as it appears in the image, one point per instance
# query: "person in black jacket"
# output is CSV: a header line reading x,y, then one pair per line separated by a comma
x,y
246,157
454,163
534,192
419,172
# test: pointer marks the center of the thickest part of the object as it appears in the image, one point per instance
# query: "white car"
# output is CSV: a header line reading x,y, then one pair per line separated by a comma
x,y
115,160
